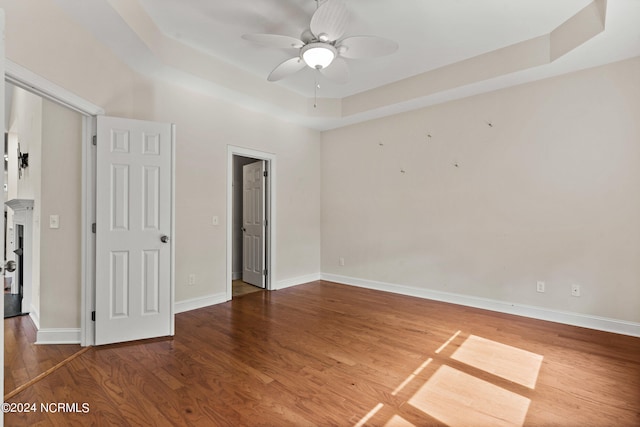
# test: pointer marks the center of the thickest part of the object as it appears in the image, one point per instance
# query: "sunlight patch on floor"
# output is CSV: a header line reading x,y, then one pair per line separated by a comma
x,y
370,415
398,421
412,376
453,337
511,363
460,399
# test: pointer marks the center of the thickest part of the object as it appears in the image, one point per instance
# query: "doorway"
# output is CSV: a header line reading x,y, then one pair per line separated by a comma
x,y
240,256
14,286
40,137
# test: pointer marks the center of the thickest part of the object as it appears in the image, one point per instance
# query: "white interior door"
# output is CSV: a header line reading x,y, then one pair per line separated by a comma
x,y
253,223
134,204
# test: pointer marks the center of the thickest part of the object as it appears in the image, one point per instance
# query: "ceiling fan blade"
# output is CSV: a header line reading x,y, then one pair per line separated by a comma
x,y
289,66
274,40
366,47
329,22
337,72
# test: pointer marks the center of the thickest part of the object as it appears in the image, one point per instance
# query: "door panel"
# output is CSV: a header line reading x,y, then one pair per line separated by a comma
x,y
120,197
253,223
134,208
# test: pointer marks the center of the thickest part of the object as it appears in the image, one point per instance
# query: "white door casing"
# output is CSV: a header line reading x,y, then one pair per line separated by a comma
x,y
253,223
134,208
2,198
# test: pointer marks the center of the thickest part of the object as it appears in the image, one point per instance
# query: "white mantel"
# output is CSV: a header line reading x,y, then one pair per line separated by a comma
x,y
20,204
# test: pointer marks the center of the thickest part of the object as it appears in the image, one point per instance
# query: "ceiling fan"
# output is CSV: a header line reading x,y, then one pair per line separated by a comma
x,y
322,47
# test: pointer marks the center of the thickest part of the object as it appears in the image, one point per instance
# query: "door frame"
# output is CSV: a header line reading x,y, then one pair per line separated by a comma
x,y
34,83
270,211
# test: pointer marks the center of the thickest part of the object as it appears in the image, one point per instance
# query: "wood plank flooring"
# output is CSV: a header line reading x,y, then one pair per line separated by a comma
x,y
240,288
23,359
329,354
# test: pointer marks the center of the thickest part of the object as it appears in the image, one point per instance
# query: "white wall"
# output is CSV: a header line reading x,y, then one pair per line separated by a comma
x,y
205,126
550,191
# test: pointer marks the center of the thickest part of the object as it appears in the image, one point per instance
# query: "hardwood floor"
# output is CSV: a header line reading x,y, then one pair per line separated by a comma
x,y
240,288
24,360
328,354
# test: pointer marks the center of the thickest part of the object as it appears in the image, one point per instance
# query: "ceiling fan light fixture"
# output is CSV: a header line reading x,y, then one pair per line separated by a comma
x,y
318,55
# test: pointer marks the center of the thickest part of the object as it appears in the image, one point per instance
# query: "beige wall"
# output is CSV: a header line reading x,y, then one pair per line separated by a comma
x,y
205,126
61,195
550,191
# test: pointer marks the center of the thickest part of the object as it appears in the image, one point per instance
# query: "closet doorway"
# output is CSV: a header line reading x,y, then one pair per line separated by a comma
x,y
251,226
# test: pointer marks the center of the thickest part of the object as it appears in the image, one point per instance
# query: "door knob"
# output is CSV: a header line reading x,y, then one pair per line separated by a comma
x,y
164,239
9,266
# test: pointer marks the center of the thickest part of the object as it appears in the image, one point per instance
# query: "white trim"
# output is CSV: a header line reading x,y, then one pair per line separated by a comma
x,y
200,302
172,241
88,238
35,317
34,83
287,283
271,214
219,298
569,318
58,336
2,197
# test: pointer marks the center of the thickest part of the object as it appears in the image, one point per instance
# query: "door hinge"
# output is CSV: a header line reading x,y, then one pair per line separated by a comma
x,y
265,272
93,228
93,316
94,140
265,174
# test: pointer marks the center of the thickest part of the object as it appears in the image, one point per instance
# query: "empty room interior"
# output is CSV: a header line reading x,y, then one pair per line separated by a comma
x,y
338,212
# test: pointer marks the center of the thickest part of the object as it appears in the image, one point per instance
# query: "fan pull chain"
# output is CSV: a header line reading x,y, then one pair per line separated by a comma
x,y
315,90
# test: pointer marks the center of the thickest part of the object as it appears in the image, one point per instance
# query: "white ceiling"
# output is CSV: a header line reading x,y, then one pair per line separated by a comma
x,y
430,33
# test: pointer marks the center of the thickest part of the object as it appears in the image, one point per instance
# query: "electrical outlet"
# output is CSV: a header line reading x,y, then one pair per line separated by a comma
x,y
575,290
192,279
540,286
341,261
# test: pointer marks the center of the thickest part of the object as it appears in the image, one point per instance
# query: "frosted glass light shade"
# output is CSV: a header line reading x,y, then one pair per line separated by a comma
x,y
318,55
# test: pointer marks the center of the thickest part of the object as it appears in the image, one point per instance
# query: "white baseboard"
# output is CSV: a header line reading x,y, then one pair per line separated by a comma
x,y
35,317
200,302
206,301
569,318
287,283
58,336
236,275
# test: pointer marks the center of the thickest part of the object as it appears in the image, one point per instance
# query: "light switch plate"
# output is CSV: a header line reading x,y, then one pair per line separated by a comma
x,y
54,221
